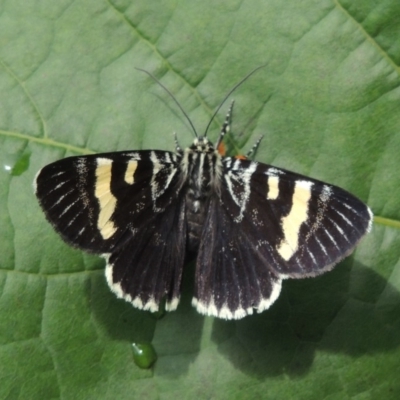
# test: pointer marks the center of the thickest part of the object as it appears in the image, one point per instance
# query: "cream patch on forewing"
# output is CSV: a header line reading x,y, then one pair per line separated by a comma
x,y
273,187
130,172
292,222
107,201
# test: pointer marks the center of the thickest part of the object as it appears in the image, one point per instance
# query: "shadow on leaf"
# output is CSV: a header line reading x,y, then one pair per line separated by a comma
x,y
351,310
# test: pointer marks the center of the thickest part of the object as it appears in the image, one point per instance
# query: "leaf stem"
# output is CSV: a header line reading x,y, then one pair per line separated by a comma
x,y
387,222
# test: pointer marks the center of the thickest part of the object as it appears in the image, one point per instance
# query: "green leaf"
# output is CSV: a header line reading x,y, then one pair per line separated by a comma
x,y
328,105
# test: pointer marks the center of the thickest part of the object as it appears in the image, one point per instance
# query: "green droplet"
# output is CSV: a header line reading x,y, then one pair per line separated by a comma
x,y
21,165
16,165
144,355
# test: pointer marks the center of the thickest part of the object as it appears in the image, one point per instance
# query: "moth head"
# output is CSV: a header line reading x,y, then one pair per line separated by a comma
x,y
202,144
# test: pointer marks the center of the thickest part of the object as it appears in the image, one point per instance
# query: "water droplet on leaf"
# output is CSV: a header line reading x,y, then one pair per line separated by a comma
x,y
144,355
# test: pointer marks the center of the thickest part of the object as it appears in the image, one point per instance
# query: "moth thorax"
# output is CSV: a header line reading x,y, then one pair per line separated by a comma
x,y
203,175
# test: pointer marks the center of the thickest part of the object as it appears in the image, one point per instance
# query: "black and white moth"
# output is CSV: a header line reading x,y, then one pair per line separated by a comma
x,y
250,225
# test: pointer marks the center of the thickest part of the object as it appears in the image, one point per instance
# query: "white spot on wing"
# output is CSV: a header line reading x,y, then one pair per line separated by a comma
x,y
62,197
242,177
150,305
264,304
312,256
273,188
137,302
81,231
331,238
205,309
224,312
321,245
159,166
107,201
340,230
371,218
35,181
272,171
130,172
172,305
67,208
326,193
58,186
115,287
75,217
343,217
135,156
291,223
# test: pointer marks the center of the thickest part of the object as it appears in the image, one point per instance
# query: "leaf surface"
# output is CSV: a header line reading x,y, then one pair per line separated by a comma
x,y
328,105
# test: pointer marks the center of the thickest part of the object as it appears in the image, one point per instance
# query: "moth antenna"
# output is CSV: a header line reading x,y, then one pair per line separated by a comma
x,y
172,96
229,93
226,126
177,147
253,150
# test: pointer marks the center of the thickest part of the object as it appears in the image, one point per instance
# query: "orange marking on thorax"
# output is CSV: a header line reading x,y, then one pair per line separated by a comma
x,y
222,151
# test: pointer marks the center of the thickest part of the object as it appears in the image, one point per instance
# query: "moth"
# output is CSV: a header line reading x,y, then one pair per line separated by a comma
x,y
249,225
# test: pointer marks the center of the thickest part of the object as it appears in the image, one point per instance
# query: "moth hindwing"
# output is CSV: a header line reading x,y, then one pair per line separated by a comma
x,y
249,225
